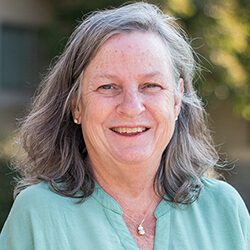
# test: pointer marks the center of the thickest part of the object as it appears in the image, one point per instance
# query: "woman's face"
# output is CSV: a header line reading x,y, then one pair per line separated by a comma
x,y
128,107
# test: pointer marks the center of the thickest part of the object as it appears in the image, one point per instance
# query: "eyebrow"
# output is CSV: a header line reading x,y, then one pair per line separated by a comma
x,y
105,75
113,76
152,74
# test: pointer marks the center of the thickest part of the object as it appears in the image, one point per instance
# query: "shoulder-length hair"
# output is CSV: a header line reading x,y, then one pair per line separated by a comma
x,y
54,144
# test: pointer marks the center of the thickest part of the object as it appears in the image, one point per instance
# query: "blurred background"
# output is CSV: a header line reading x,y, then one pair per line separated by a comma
x,y
33,32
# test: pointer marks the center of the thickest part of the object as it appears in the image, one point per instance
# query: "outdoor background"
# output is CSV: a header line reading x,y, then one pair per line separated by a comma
x,y
32,32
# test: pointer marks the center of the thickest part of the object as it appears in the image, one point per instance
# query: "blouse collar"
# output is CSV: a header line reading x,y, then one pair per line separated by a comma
x,y
109,202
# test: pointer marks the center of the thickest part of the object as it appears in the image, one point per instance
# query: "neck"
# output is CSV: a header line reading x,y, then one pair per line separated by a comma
x,y
129,181
132,186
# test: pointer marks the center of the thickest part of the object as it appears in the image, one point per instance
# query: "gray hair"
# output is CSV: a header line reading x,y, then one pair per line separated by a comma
x,y
54,144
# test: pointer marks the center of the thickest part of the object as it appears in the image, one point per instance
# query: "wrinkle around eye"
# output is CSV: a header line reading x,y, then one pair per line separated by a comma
x,y
108,89
151,87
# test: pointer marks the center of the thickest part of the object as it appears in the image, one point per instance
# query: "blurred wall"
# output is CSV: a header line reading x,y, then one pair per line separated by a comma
x,y
26,12
22,58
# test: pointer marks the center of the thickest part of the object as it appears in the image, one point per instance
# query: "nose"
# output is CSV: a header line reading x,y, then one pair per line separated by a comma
x,y
131,104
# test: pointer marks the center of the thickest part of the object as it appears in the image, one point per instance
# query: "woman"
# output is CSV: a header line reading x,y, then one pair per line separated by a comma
x,y
117,147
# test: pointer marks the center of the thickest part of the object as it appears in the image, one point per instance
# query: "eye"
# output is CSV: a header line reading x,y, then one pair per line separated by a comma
x,y
108,89
151,87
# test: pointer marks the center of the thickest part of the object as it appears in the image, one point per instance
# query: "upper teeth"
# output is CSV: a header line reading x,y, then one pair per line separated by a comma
x,y
129,130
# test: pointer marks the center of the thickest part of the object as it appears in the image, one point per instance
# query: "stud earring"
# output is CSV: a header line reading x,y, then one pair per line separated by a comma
x,y
176,118
76,121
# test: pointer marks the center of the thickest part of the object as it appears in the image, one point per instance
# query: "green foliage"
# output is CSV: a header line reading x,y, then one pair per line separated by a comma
x,y
219,30
222,28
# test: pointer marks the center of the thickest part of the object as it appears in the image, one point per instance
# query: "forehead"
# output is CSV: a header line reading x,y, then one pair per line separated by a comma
x,y
136,53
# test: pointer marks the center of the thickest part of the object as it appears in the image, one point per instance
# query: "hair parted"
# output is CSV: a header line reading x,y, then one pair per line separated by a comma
x,y
54,146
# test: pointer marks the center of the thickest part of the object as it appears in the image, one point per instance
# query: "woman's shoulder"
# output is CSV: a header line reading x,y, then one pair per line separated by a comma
x,y
41,188
34,191
38,197
219,192
215,186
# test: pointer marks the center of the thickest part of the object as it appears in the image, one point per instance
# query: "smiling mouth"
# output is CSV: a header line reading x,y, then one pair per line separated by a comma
x,y
129,131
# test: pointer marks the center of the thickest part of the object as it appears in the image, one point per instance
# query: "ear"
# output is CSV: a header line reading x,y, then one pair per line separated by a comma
x,y
178,97
76,110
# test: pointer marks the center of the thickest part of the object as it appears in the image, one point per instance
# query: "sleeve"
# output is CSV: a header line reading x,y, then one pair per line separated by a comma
x,y
17,230
237,215
22,229
244,221
230,215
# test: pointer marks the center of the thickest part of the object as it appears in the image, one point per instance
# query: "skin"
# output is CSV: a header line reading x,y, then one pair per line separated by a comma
x,y
127,112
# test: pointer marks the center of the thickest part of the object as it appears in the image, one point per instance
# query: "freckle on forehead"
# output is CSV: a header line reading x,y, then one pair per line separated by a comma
x,y
131,54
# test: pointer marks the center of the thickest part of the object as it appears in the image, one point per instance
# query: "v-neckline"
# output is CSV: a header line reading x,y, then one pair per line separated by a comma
x,y
113,212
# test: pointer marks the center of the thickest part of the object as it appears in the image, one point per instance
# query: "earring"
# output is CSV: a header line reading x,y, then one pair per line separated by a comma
x,y
176,118
76,121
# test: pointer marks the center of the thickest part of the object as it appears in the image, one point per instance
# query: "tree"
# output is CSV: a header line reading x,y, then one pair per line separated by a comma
x,y
219,32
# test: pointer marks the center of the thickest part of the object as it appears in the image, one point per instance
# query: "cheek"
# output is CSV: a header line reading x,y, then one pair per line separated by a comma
x,y
90,107
95,112
164,115
91,125
88,117
163,107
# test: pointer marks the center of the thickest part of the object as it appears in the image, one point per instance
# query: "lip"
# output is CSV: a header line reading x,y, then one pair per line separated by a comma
x,y
129,130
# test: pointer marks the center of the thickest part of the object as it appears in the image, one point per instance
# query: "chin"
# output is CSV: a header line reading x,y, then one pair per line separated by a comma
x,y
132,157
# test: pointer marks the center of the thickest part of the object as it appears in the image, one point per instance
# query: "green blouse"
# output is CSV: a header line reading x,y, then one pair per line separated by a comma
x,y
43,220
